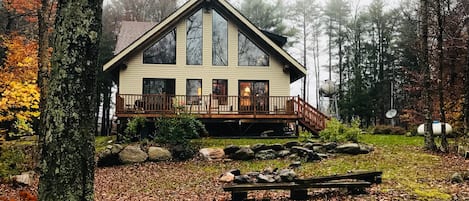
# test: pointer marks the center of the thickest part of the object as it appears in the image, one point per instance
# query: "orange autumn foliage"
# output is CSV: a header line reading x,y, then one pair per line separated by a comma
x,y
19,94
24,195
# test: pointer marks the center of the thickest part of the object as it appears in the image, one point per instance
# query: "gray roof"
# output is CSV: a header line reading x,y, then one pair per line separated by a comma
x,y
129,32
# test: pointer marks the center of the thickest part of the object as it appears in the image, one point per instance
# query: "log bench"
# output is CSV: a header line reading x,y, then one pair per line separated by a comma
x,y
299,187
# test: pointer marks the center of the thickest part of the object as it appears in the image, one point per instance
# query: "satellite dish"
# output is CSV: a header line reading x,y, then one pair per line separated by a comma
x,y
391,113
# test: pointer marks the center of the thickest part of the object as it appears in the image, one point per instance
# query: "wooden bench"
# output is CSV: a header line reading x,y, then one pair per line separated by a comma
x,y
299,187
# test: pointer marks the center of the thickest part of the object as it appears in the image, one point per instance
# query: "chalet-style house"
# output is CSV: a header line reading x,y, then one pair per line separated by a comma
x,y
207,59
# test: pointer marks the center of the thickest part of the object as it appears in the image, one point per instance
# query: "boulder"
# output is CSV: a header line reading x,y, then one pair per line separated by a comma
x,y
106,158
258,147
227,177
291,144
116,148
235,172
323,156
24,178
457,178
244,153
243,179
308,145
295,164
231,149
283,153
287,175
275,147
320,149
308,154
330,145
212,153
353,148
266,154
159,154
132,154
265,178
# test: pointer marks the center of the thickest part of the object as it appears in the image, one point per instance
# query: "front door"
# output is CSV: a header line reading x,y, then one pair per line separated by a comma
x,y
158,94
253,96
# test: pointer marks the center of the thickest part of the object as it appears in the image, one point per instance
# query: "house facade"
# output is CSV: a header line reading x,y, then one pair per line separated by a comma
x,y
207,59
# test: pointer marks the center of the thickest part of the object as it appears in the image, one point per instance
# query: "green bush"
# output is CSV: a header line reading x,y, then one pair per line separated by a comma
x,y
338,132
177,133
388,129
19,129
134,126
12,161
305,136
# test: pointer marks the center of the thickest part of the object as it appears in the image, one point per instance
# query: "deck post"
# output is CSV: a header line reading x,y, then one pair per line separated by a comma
x,y
210,104
299,194
239,196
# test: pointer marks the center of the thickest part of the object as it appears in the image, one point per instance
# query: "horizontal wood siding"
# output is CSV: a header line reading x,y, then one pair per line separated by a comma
x,y
131,78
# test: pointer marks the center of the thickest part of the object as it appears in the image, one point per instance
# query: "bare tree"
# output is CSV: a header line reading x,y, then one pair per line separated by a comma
x,y
429,138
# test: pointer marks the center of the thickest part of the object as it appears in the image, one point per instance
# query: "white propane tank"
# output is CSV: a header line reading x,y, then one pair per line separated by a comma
x,y
328,88
436,128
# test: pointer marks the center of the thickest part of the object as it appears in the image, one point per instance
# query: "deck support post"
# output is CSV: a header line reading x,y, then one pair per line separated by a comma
x,y
239,196
299,194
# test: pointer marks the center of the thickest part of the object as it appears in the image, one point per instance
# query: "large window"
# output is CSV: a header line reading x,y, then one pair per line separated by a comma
x,y
249,54
158,86
194,91
219,40
254,95
163,51
220,91
194,39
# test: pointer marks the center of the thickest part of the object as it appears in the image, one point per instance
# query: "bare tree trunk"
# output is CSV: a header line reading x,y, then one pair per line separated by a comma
x,y
429,138
444,141
466,84
67,154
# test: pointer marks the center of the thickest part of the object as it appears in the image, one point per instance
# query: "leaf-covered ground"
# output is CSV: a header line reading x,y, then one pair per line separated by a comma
x,y
409,174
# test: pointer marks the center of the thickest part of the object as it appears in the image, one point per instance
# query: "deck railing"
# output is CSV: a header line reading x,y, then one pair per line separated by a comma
x,y
307,115
204,104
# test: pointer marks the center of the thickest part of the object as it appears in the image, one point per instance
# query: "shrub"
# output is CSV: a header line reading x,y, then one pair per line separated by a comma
x,y
20,128
177,133
305,136
133,129
338,132
12,161
387,129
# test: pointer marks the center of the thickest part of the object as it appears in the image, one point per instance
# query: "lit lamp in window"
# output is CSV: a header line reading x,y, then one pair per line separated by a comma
x,y
199,94
245,100
247,91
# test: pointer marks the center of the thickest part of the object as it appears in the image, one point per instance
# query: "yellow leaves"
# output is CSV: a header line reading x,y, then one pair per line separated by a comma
x,y
19,101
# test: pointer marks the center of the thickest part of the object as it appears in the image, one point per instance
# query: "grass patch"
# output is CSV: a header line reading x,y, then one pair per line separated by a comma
x,y
404,164
102,141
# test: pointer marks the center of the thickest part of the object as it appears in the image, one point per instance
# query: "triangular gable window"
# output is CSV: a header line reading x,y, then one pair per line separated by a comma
x,y
163,51
249,54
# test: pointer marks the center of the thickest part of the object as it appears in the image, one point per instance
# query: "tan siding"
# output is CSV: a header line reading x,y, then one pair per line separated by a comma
x,y
131,78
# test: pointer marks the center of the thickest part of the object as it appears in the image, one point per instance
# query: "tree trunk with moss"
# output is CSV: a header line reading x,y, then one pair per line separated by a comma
x,y
429,138
67,154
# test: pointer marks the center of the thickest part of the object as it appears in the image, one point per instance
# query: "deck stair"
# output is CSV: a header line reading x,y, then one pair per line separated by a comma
x,y
309,117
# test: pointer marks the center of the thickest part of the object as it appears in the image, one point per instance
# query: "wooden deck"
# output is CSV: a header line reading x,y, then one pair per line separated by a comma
x,y
211,107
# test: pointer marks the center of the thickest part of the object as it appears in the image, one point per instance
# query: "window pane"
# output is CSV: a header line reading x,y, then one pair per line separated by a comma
x,y
194,39
249,53
158,86
220,91
219,40
163,51
194,91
